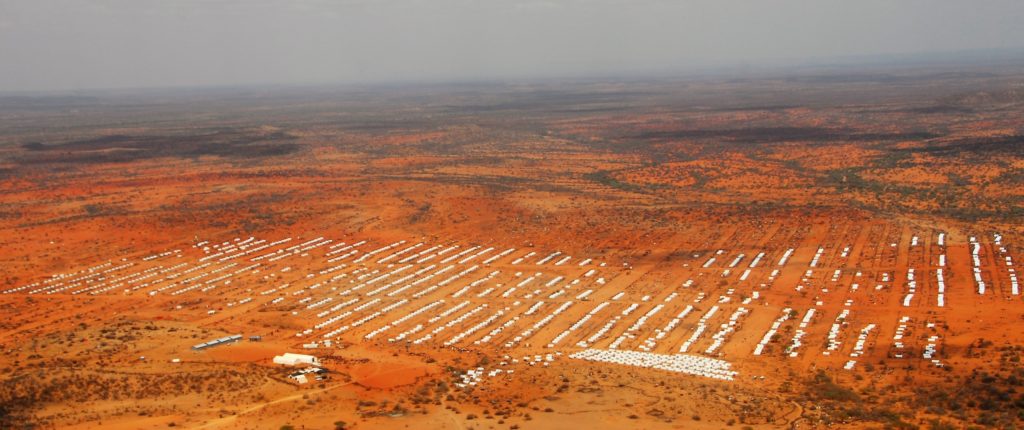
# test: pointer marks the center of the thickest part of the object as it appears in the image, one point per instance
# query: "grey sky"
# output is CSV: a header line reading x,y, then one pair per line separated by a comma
x,y
79,44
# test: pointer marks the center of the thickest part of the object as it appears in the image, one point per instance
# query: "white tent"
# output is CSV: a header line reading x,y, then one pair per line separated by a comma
x,y
289,359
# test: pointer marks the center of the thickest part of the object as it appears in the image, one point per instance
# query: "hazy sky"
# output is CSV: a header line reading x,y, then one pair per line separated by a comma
x,y
81,44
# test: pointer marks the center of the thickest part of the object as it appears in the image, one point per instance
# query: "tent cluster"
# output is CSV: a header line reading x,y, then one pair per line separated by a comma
x,y
805,278
711,260
833,332
817,256
759,349
659,334
576,325
466,255
495,257
372,316
931,347
474,328
756,260
376,251
348,249
520,260
526,334
421,280
836,274
586,293
476,284
61,282
1014,285
1010,271
940,281
472,377
930,350
630,332
457,320
497,330
300,249
976,260
736,260
403,319
800,333
702,325
239,248
224,273
608,325
405,284
785,257
911,287
897,339
544,260
718,339
862,339
370,293
544,360
338,317
680,363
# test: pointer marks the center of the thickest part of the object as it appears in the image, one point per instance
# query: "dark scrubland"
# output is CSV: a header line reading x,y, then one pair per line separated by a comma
x,y
643,173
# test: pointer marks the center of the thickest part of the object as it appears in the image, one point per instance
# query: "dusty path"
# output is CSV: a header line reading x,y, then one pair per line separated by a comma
x,y
794,416
220,422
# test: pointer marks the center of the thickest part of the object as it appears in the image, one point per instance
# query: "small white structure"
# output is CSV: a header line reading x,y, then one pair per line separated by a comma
x,y
290,359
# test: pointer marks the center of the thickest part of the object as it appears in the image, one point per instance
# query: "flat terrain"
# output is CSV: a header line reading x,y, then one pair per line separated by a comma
x,y
819,248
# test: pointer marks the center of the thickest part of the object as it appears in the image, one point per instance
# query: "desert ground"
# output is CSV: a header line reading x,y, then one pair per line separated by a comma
x,y
823,248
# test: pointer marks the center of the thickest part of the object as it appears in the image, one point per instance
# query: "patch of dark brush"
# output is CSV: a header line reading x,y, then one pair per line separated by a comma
x,y
985,99
589,109
769,108
42,103
381,127
1013,144
126,148
551,101
781,134
884,78
940,109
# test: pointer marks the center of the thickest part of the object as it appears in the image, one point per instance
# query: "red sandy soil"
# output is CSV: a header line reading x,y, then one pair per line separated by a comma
x,y
389,375
652,185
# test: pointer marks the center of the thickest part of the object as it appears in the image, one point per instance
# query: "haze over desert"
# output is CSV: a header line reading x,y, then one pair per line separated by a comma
x,y
825,245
